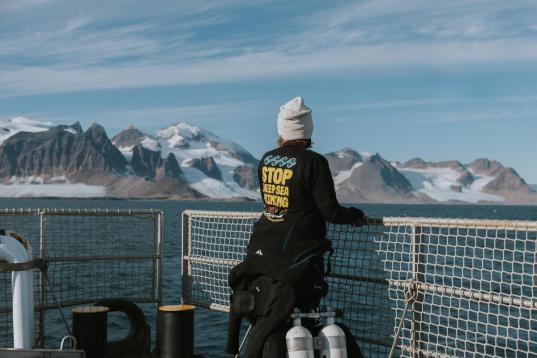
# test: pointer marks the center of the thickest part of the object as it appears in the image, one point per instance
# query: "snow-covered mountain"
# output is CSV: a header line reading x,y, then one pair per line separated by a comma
x,y
373,180
185,161
214,167
12,126
448,181
480,181
39,159
342,162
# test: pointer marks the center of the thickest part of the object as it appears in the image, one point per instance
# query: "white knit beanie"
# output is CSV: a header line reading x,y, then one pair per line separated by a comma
x,y
294,120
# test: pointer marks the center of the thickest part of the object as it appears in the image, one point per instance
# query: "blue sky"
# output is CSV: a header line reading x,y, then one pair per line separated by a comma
x,y
435,79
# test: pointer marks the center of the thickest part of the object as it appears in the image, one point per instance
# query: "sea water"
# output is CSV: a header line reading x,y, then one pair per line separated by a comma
x,y
211,326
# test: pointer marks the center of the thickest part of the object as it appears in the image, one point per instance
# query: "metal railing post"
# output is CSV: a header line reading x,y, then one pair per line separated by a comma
x,y
42,291
418,270
160,252
185,255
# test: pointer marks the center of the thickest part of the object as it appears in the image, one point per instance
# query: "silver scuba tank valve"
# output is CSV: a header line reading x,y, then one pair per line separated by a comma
x,y
299,341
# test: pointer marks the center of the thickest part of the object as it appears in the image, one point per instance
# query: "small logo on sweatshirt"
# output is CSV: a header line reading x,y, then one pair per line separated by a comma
x,y
259,252
278,161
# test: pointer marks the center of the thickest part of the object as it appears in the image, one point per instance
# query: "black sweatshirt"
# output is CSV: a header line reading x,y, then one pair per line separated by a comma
x,y
299,198
298,193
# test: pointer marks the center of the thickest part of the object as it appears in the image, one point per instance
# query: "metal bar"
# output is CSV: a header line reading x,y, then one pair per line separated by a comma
x,y
89,300
216,307
418,270
222,214
160,248
359,278
425,353
99,212
186,267
89,212
209,260
13,211
461,223
42,277
154,261
99,258
480,296
374,341
396,221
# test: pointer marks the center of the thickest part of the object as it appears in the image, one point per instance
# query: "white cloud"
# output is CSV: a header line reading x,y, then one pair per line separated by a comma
x,y
128,44
20,5
507,115
261,65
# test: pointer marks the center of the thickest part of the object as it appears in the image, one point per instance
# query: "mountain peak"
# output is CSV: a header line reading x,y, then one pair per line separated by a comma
x,y
185,126
507,181
343,159
418,163
130,127
184,123
128,138
376,180
485,166
96,134
96,129
180,134
349,152
375,157
415,163
77,127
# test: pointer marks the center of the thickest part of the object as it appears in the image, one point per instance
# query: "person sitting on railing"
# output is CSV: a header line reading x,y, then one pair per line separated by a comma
x,y
289,240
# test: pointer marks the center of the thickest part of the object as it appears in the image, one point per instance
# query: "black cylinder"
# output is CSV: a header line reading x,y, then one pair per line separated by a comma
x,y
175,333
90,330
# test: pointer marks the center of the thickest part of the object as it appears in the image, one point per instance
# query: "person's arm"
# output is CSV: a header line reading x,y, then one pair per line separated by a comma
x,y
325,196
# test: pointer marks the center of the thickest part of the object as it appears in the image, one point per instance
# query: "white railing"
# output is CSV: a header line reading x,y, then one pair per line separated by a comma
x,y
86,255
473,282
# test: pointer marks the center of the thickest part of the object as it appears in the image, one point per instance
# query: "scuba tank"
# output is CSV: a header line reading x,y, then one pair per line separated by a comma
x,y
299,341
333,338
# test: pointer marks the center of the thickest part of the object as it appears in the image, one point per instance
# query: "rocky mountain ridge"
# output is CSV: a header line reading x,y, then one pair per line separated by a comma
x,y
481,181
62,151
185,161
214,167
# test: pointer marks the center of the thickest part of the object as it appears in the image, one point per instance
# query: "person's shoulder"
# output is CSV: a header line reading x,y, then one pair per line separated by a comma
x,y
314,156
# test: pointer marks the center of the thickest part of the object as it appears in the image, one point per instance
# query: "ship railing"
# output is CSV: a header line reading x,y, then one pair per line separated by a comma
x,y
473,282
90,255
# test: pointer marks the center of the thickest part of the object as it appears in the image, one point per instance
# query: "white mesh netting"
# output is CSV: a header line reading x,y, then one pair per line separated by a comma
x,y
476,281
92,255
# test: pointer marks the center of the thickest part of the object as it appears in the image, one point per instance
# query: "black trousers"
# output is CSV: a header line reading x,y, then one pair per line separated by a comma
x,y
300,286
